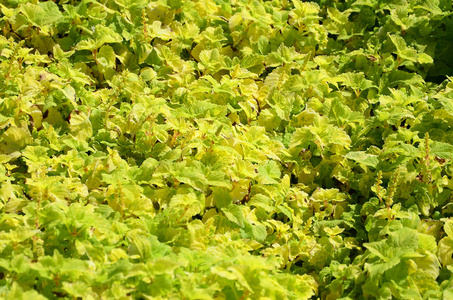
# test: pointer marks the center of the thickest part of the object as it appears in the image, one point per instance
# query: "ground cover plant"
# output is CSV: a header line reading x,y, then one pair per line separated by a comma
x,y
212,149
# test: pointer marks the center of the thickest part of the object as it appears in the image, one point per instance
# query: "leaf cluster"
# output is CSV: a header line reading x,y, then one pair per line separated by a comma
x,y
211,149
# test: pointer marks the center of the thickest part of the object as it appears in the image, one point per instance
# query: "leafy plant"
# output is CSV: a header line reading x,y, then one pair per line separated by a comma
x,y
226,150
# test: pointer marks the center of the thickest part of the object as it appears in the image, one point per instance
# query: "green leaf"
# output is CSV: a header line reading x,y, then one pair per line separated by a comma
x,y
80,126
442,150
106,57
221,197
403,51
424,58
193,177
295,84
17,293
445,250
251,61
268,172
356,81
362,157
256,232
262,201
400,244
218,178
333,195
186,205
448,227
447,104
42,14
235,214
70,93
164,265
101,35
263,45
14,139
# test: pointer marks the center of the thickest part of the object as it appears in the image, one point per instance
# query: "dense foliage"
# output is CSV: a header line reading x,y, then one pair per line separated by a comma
x,y
239,149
